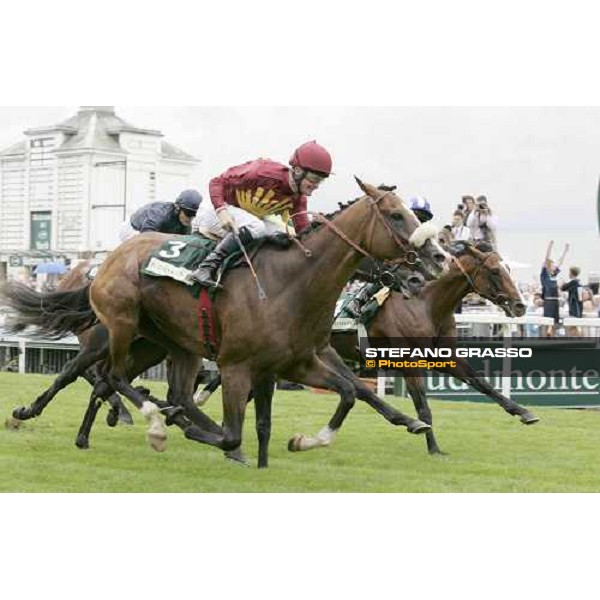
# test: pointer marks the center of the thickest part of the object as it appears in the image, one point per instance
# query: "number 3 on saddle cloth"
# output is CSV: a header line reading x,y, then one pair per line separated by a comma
x,y
177,259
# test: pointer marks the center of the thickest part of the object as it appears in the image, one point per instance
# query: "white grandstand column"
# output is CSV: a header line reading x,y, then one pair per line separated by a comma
x,y
22,355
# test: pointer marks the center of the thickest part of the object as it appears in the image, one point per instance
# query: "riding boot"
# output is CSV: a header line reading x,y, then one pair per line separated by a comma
x,y
206,273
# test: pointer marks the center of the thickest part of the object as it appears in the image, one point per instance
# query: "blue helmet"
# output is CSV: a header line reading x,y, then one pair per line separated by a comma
x,y
189,200
421,207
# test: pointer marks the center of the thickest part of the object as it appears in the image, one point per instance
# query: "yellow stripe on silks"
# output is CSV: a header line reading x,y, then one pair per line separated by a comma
x,y
258,194
267,199
245,200
238,197
289,227
281,205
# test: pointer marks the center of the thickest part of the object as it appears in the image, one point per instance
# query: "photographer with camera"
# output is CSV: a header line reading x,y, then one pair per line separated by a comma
x,y
481,222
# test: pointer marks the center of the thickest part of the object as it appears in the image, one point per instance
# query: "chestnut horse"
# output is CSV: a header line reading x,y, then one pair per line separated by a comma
x,y
258,340
474,268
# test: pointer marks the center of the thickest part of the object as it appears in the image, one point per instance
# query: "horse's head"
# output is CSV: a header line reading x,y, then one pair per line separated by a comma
x,y
393,231
488,276
395,274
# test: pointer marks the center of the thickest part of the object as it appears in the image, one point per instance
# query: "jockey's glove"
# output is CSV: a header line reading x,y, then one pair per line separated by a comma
x,y
225,219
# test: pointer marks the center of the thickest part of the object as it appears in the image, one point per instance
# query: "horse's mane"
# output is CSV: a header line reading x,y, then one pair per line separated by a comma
x,y
316,225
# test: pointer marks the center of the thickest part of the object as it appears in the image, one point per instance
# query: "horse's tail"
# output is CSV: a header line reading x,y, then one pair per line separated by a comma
x,y
54,314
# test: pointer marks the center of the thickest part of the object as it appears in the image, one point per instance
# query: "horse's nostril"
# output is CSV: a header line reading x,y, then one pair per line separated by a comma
x,y
439,258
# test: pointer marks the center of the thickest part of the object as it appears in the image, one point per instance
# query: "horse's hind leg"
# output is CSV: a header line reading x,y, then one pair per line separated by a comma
x,y
201,398
182,371
416,389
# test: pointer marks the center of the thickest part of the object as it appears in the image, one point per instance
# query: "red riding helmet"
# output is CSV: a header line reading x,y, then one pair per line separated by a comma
x,y
312,157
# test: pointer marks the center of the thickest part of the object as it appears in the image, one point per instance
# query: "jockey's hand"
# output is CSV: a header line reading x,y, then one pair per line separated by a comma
x,y
226,220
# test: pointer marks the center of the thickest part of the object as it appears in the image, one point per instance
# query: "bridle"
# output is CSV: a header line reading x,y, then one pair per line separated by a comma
x,y
496,298
409,257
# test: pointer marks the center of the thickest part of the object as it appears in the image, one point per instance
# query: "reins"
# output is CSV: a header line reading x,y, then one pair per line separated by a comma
x,y
409,257
471,279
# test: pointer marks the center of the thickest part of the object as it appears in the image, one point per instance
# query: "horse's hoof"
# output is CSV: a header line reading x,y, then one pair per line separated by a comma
x,y
237,456
12,423
417,427
201,398
82,442
529,419
112,418
21,414
157,441
438,452
295,444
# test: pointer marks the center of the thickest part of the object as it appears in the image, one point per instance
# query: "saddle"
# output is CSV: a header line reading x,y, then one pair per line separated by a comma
x,y
178,258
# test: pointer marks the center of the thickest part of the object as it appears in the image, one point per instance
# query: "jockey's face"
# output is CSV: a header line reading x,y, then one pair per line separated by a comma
x,y
310,183
186,217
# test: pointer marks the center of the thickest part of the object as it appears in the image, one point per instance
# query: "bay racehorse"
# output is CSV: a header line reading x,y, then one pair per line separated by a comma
x,y
258,340
429,320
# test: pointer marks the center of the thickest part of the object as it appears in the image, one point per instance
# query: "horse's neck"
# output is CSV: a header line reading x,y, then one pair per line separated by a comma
x,y
333,261
443,295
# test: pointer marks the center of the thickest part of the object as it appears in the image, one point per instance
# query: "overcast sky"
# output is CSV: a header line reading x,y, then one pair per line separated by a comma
x,y
539,167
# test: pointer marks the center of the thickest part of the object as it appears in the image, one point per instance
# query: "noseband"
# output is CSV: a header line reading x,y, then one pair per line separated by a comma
x,y
497,298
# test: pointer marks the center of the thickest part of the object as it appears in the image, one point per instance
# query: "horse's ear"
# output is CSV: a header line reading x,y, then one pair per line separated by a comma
x,y
366,188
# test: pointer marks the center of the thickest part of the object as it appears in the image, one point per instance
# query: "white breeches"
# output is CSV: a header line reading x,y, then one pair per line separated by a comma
x,y
207,219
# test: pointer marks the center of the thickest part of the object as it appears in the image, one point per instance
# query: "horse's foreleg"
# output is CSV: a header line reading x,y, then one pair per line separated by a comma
x,y
319,374
331,358
83,437
465,372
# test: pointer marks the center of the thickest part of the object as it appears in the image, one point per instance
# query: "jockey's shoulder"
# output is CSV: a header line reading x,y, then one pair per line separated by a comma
x,y
263,167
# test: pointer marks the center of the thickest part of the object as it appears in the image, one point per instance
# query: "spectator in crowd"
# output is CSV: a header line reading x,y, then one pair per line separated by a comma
x,y
574,291
458,229
482,223
468,203
548,279
535,308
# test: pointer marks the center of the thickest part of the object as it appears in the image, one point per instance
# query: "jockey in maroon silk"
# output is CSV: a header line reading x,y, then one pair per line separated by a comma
x,y
245,195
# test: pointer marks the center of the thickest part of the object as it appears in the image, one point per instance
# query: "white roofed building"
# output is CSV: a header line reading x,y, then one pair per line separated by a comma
x,y
66,188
